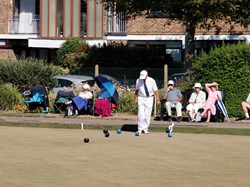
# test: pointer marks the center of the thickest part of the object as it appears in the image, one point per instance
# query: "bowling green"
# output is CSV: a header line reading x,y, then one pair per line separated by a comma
x,y
42,157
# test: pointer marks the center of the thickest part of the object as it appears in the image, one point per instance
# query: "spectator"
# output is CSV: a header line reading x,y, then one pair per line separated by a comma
x,y
196,101
213,96
246,106
81,101
173,96
146,89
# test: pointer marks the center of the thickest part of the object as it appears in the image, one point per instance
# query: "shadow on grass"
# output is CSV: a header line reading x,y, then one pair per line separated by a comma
x,y
129,127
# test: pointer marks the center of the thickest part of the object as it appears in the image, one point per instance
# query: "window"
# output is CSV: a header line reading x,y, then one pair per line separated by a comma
x,y
60,18
83,18
63,82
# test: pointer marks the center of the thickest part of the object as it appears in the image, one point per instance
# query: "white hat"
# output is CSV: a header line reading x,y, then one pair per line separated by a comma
x,y
143,74
86,86
197,85
171,82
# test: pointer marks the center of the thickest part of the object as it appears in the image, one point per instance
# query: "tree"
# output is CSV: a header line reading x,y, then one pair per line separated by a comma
x,y
192,14
71,53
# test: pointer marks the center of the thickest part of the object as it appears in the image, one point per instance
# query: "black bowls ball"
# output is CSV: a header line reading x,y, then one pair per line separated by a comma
x,y
86,140
107,134
105,131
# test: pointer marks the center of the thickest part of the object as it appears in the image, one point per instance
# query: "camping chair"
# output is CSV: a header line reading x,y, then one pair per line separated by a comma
x,y
59,104
62,98
34,101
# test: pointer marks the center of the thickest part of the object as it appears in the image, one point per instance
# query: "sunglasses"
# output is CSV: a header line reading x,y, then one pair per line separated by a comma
x,y
170,85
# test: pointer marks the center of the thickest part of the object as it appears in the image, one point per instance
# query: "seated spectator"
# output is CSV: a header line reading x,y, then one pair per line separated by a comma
x,y
102,107
246,106
173,96
62,96
196,101
86,93
213,96
81,101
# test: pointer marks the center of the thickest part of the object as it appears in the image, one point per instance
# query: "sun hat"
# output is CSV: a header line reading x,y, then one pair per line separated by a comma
x,y
197,85
214,84
143,74
171,82
86,86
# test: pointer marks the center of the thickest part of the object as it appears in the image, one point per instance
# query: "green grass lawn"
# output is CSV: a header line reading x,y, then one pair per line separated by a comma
x,y
38,157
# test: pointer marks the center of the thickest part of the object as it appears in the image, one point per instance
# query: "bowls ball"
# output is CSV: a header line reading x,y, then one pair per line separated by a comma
x,y
86,140
119,131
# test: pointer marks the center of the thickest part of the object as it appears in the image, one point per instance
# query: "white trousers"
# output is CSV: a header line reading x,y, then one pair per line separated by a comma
x,y
170,105
194,107
145,105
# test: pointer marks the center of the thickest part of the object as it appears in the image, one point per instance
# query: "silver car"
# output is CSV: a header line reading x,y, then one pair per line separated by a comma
x,y
71,82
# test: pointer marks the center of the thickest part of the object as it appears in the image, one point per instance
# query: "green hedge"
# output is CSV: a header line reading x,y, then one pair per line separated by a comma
x,y
229,66
10,98
25,73
126,103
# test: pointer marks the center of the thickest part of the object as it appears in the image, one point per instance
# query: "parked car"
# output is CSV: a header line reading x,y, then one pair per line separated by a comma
x,y
71,81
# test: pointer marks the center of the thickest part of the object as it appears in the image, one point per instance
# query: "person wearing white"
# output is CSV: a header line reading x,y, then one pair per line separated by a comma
x,y
196,101
245,106
146,89
86,93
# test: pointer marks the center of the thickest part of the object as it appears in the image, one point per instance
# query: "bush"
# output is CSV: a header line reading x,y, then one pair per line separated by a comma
x,y
229,66
25,73
126,103
10,98
72,54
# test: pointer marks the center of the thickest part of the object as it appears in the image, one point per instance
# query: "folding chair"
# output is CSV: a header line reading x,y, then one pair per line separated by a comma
x,y
63,96
35,101
59,104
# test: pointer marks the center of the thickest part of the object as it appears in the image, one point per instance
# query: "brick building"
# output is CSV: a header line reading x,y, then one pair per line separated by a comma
x,y
37,28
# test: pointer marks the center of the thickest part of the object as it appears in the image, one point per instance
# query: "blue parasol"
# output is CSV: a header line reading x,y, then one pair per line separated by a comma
x,y
108,90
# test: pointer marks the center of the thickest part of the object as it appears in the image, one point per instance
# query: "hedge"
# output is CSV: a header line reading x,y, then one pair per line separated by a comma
x,y
229,66
25,73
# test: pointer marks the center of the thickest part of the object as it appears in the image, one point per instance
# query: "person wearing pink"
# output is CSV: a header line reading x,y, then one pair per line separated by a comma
x,y
213,96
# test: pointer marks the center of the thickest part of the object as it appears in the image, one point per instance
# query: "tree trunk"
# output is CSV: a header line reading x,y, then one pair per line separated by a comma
x,y
189,44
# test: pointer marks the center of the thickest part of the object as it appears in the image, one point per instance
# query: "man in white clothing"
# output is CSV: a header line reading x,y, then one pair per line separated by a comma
x,y
146,89
196,101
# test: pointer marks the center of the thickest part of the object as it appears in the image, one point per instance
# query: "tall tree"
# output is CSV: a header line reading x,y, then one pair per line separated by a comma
x,y
192,14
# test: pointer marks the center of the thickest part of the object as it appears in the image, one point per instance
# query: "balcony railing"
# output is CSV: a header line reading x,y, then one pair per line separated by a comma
x,y
116,24
16,26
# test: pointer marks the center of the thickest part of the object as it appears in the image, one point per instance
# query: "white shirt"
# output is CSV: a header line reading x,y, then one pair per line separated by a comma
x,y
151,85
248,98
86,95
199,98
